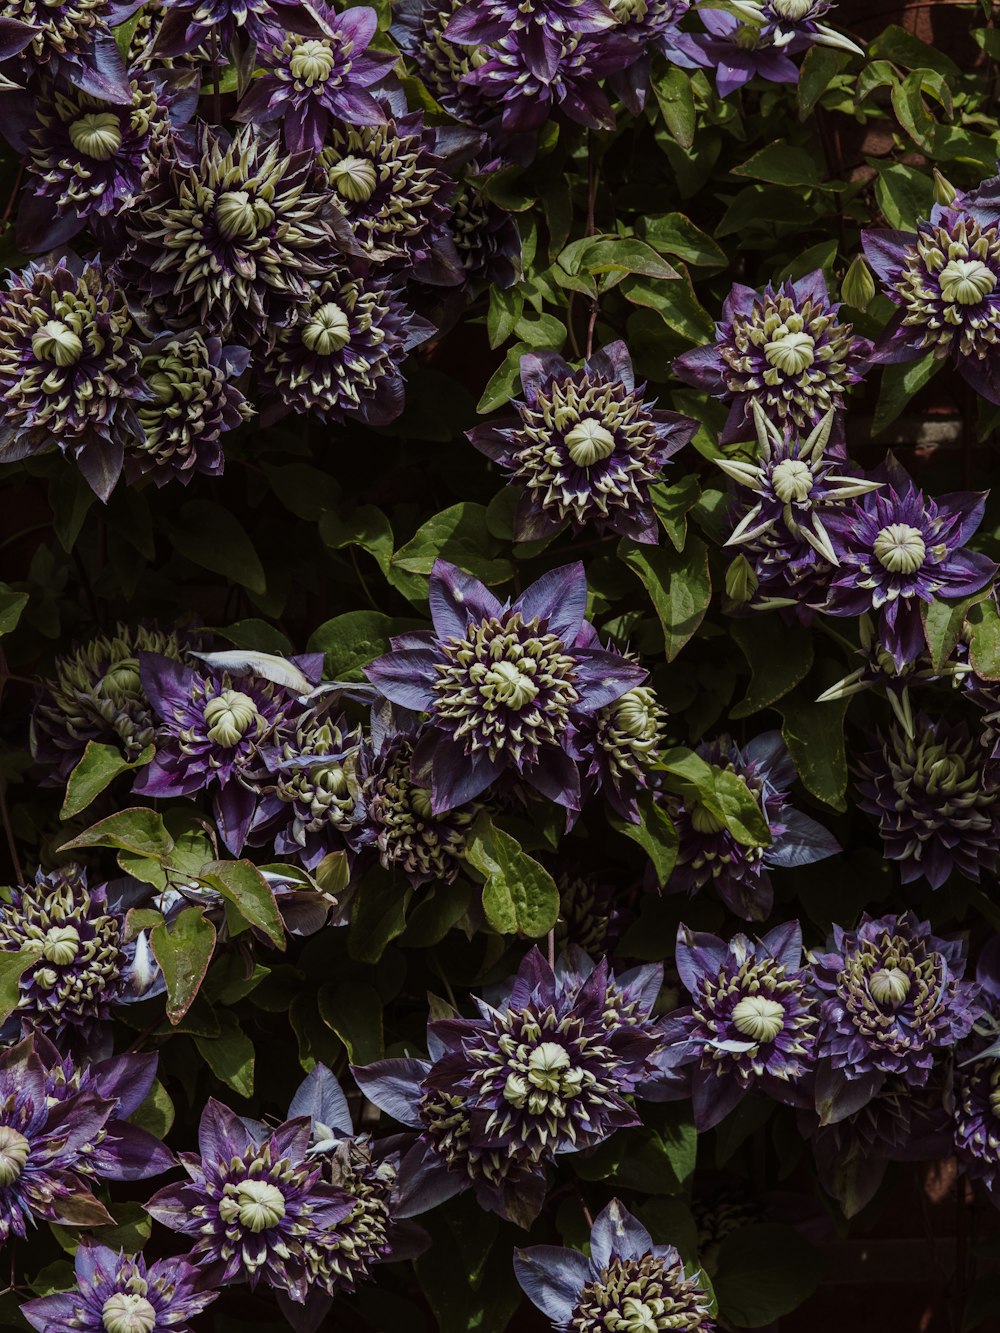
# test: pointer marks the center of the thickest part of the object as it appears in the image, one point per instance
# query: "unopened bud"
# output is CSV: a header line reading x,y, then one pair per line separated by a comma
x,y
858,288
944,192
741,581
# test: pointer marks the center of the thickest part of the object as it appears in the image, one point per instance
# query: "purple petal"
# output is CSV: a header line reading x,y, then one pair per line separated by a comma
x,y
457,600
617,1232
552,1279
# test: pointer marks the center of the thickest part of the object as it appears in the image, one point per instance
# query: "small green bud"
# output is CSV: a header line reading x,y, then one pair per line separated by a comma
x,y
858,287
944,192
741,581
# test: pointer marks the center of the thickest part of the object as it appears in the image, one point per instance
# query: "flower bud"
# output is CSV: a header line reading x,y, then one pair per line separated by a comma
x,y
259,1205
125,1312
741,581
858,287
229,717
944,192
97,135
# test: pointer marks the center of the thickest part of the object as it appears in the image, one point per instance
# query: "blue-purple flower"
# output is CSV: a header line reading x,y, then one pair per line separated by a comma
x,y
893,1000
710,856
974,1101
937,806
752,1023
191,24
256,1205
897,549
70,40
626,1284
119,1293
584,447
318,76
504,684
736,50
539,29
945,280
783,348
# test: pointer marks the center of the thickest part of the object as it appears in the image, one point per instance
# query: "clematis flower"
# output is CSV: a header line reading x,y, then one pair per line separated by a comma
x,y
503,684
709,855
68,40
737,51
119,1293
419,28
937,807
783,348
319,76
752,1023
893,998
190,24
584,447
539,28
897,549
945,280
627,1283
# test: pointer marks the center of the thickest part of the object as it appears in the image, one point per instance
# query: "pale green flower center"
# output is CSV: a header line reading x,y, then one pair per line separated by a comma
x,y
354,178
758,1018
548,1072
327,331
61,944
890,986
312,62
900,549
589,442
122,680
704,820
229,716
792,480
624,10
56,341
791,9
505,684
97,135
636,714
259,1205
14,1149
240,218
746,37
637,1316
420,799
789,351
966,281
126,1312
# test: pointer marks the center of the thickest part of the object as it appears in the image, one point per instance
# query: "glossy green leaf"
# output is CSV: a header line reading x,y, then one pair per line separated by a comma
x,y
519,895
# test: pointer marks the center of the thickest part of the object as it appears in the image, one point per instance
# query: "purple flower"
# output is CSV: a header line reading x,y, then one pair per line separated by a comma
x,y
897,549
418,26
189,24
256,1205
340,354
593,911
783,348
485,236
195,401
710,855
752,1022
974,1103
584,447
792,24
937,808
538,28
70,40
736,51
319,76
119,1293
69,369
504,684
893,999
627,1283
945,279
210,730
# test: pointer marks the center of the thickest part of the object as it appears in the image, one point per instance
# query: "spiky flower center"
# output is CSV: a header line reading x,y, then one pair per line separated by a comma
x,y
311,61
792,10
61,944
121,681
56,341
792,480
328,330
128,1312
638,714
759,1018
446,1122
240,216
14,1150
258,1204
889,986
97,134
354,178
900,548
508,686
647,1295
589,442
230,716
791,350
966,281
427,846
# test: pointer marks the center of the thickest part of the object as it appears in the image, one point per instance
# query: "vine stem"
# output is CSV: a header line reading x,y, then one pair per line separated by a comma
x,y
592,180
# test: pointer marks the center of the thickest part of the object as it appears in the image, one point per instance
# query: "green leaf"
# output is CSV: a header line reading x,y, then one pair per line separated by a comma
x,y
904,194
781,164
675,303
12,968
724,793
353,1010
504,380
678,583
305,491
814,734
212,537
764,1271
942,622
899,384
183,950
378,914
625,254
137,830
258,636
465,1275
349,642
821,65
365,526
984,641
655,833
676,234
519,895
96,770
458,534
676,102
230,1056
672,505
242,884
505,311
903,48
779,656
156,1114
11,605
